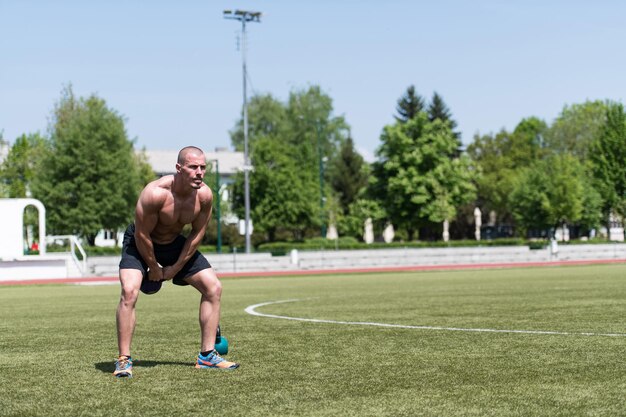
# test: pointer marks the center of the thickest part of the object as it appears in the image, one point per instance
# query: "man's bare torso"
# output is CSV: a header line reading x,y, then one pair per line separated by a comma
x,y
174,210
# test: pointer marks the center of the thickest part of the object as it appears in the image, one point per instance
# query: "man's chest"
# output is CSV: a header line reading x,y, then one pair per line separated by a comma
x,y
181,213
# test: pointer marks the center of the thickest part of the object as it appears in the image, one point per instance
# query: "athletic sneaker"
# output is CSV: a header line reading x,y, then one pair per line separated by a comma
x,y
215,361
123,367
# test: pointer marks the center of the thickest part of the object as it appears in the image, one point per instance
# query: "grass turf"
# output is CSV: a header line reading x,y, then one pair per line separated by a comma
x,y
57,346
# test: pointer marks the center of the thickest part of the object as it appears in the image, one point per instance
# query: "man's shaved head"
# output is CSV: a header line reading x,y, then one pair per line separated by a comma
x,y
182,155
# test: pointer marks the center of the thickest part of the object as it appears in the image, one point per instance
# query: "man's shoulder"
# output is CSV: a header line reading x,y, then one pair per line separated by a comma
x,y
161,184
205,195
159,189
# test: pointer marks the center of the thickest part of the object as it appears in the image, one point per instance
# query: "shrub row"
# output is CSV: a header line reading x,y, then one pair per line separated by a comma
x,y
345,244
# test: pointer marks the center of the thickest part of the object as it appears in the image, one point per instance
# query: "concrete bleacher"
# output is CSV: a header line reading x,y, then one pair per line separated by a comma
x,y
381,258
590,252
416,256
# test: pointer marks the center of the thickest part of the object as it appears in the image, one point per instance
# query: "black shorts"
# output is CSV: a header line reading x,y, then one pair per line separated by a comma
x,y
166,255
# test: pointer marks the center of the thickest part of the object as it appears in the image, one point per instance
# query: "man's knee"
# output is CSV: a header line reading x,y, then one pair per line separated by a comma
x,y
207,283
131,281
212,288
129,295
218,288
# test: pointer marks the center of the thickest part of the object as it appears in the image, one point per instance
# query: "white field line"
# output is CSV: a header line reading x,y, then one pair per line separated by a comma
x,y
252,311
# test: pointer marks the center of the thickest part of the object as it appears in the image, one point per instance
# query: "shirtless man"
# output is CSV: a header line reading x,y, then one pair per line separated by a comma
x,y
153,246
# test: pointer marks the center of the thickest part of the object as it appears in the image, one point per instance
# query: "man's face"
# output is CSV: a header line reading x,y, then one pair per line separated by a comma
x,y
193,169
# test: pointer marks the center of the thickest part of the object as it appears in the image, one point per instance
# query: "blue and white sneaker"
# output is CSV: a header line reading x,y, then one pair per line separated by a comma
x,y
215,361
123,367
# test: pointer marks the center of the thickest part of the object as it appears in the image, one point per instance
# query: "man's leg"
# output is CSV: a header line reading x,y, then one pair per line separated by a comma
x,y
210,288
130,280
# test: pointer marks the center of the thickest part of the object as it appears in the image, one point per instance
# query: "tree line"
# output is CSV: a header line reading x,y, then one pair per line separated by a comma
x,y
528,181
84,170
308,174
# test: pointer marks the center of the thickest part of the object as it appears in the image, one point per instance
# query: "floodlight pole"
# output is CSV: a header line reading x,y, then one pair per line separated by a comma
x,y
245,16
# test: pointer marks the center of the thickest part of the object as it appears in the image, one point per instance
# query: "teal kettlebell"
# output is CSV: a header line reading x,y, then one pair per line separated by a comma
x,y
221,343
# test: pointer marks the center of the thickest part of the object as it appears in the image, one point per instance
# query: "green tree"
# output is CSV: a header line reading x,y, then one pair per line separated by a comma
x,y
526,146
352,224
314,129
495,183
409,105
450,185
280,198
267,117
90,180
349,174
608,156
565,189
305,129
500,158
22,164
576,127
4,150
529,200
144,169
418,179
18,171
591,216
554,191
437,109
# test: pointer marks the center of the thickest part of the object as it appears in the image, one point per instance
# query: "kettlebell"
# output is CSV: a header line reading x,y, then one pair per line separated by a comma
x,y
221,343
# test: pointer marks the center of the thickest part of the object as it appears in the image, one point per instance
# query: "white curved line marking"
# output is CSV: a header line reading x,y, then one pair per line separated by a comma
x,y
252,311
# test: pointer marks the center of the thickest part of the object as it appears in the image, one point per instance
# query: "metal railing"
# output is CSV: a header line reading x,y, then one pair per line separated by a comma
x,y
74,244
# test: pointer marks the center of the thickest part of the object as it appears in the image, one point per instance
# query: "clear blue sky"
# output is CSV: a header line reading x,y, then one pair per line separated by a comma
x,y
173,70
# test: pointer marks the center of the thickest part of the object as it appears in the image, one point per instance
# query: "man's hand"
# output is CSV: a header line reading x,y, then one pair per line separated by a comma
x,y
169,273
155,274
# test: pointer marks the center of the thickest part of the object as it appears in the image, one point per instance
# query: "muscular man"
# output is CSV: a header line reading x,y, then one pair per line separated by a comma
x,y
153,246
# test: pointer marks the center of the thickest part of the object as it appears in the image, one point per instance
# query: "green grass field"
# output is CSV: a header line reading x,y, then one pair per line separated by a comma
x,y
57,347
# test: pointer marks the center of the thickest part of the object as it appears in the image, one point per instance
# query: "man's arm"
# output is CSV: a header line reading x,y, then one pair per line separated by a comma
x,y
198,228
146,218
